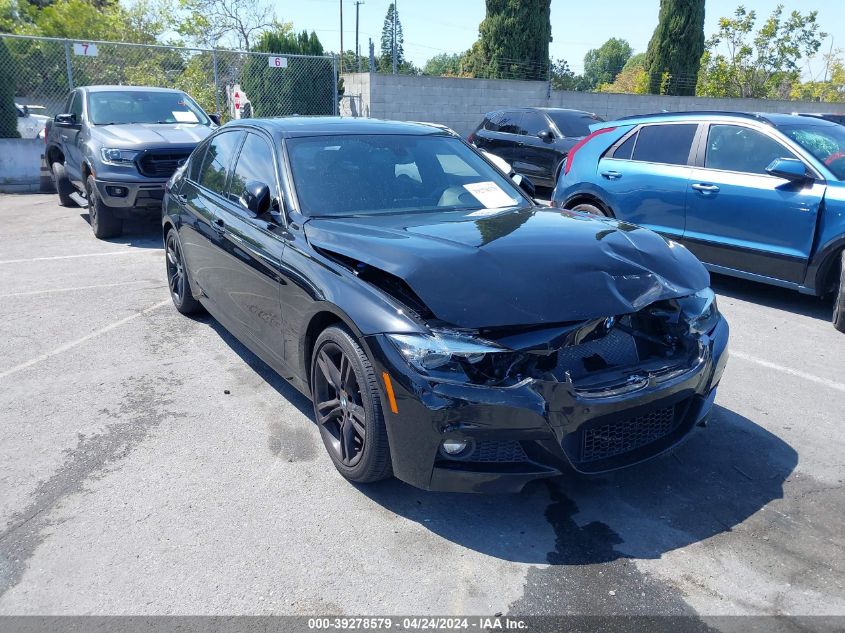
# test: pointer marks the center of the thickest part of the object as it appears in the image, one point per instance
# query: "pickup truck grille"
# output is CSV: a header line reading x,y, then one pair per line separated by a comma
x,y
161,164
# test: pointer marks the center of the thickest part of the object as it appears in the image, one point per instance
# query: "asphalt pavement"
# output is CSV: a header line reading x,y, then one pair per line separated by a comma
x,y
150,464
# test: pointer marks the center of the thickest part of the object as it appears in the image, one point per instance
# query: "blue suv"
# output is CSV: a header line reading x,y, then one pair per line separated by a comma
x,y
757,196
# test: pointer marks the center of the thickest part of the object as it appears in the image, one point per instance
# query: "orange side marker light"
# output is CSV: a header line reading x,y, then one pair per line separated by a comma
x,y
388,387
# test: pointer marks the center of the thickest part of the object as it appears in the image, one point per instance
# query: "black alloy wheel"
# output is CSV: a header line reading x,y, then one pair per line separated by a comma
x,y
347,407
177,276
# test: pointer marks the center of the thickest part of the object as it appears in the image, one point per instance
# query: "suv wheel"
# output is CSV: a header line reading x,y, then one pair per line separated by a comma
x,y
839,298
591,209
63,185
347,407
103,221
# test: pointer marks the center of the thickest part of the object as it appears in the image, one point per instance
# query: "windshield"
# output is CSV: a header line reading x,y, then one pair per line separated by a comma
x,y
825,142
134,106
379,174
574,124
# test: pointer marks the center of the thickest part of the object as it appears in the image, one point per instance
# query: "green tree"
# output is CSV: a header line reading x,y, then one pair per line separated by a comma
x,y
444,65
305,87
674,52
225,22
513,41
741,62
831,89
601,65
563,77
8,114
386,57
632,80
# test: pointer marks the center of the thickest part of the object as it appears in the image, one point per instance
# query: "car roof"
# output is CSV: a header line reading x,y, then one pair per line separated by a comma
x,y
106,88
539,109
294,126
770,118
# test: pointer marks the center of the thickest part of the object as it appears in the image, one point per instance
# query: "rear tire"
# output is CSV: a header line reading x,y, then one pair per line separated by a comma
x,y
64,187
102,217
347,407
591,209
839,298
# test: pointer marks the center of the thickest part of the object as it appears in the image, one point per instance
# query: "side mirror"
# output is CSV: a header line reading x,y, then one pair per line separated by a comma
x,y
65,119
256,197
525,184
215,118
790,169
546,136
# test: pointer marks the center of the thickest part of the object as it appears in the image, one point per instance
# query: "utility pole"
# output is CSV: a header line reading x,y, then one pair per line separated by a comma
x,y
341,35
358,4
395,47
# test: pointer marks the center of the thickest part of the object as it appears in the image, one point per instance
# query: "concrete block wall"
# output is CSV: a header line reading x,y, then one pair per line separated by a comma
x,y
462,103
21,168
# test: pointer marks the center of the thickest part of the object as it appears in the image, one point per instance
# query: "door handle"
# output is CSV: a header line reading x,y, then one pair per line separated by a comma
x,y
219,225
705,188
611,175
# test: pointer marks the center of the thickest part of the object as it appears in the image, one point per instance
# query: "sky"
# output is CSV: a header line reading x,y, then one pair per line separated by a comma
x,y
451,26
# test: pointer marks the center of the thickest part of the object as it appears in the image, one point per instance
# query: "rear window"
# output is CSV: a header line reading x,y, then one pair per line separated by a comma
x,y
667,144
574,124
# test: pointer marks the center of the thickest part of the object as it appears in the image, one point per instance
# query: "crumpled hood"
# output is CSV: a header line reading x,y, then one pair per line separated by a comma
x,y
144,135
517,267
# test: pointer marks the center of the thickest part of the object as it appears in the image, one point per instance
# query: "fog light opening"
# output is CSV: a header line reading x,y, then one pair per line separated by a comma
x,y
456,448
117,192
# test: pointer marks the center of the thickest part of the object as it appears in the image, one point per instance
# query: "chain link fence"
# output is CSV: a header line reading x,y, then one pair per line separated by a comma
x,y
236,84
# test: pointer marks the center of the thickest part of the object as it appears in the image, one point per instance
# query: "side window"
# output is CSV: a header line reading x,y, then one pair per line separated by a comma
x,y
218,159
255,162
494,122
667,144
511,122
626,150
737,148
533,123
196,162
76,106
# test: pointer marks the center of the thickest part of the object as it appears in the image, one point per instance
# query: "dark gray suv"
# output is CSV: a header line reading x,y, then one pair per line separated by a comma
x,y
533,140
115,147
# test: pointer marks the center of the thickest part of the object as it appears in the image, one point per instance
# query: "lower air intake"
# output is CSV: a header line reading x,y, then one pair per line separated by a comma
x,y
617,438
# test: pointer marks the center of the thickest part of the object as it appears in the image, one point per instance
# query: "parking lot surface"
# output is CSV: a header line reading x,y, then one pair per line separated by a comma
x,y
149,464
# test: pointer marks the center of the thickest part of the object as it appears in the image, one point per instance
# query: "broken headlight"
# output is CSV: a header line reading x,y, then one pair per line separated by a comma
x,y
699,311
443,351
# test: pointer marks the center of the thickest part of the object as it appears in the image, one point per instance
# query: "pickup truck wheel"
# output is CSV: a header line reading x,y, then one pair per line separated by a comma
x,y
63,185
839,299
103,221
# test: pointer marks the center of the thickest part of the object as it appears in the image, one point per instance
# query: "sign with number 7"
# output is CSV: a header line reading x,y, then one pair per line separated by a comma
x,y
85,49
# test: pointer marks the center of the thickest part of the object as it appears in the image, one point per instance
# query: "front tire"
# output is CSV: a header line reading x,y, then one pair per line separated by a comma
x,y
102,217
178,279
347,407
63,185
839,298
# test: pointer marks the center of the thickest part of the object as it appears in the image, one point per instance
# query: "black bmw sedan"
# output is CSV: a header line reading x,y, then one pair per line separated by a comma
x,y
448,330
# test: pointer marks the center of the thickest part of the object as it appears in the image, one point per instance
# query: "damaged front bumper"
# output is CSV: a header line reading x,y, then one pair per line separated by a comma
x,y
541,427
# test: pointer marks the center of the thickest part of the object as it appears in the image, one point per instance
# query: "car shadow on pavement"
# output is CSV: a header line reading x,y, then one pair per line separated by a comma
x,y
138,233
772,296
721,476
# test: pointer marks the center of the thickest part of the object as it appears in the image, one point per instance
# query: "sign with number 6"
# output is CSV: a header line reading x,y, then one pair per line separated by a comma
x,y
278,62
84,49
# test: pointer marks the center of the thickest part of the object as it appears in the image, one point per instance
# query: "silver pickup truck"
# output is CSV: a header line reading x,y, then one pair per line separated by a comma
x,y
114,148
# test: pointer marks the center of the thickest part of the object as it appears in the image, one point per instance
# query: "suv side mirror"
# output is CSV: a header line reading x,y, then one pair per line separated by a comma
x,y
215,118
256,197
66,120
790,169
547,136
525,184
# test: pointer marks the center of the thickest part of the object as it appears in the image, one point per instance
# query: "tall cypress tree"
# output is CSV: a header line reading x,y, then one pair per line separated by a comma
x,y
514,40
674,52
8,113
386,59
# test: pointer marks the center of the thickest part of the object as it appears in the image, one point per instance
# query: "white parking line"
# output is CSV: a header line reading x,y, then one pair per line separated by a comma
x,y
44,292
44,259
79,341
832,384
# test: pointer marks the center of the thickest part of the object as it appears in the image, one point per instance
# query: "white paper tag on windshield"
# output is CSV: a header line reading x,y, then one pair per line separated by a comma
x,y
185,117
490,194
